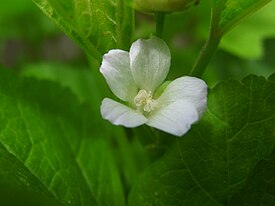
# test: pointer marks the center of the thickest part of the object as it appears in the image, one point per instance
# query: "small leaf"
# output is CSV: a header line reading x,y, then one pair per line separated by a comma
x,y
63,144
227,13
214,160
96,25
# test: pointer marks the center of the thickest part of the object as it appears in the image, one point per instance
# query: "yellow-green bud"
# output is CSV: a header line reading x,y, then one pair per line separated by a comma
x,y
161,5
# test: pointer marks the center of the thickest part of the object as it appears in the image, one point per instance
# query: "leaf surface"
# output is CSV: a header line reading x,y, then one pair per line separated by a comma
x,y
83,82
59,143
95,25
256,28
227,13
214,160
90,86
20,183
260,186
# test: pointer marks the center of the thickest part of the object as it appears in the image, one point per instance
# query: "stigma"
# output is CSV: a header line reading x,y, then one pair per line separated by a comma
x,y
145,101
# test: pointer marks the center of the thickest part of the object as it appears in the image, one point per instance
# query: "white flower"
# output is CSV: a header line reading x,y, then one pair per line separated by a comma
x,y
135,78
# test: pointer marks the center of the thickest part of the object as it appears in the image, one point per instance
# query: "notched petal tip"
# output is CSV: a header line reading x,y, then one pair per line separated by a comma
x,y
149,62
114,58
115,68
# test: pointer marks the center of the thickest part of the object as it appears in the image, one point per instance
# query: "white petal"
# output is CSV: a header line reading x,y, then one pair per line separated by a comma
x,y
188,89
175,118
116,70
149,62
120,114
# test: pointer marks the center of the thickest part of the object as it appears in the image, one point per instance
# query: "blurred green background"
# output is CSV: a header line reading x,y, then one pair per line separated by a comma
x,y
30,43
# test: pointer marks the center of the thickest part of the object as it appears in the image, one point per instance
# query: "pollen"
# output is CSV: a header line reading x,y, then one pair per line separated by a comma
x,y
145,101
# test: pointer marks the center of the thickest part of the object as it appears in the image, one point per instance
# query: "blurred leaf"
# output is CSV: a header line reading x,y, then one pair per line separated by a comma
x,y
186,36
214,160
97,26
81,81
234,68
60,142
8,10
246,40
23,21
227,13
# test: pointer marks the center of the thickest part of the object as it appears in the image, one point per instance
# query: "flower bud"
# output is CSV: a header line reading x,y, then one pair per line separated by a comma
x,y
161,5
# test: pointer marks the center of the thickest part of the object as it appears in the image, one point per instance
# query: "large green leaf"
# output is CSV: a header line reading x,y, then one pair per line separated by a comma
x,y
90,86
214,160
59,146
260,186
227,13
96,25
16,180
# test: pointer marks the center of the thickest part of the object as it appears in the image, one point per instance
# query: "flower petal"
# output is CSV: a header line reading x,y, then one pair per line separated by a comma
x,y
116,70
175,118
188,89
149,62
120,114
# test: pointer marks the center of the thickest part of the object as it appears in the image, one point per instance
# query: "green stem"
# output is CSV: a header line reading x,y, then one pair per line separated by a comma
x,y
205,56
160,17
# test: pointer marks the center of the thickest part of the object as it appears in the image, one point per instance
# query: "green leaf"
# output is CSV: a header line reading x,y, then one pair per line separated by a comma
x,y
88,86
82,82
214,160
246,40
16,181
8,10
260,186
227,13
96,25
58,143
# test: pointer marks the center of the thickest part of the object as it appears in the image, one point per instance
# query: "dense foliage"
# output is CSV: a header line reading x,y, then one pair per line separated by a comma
x,y
55,148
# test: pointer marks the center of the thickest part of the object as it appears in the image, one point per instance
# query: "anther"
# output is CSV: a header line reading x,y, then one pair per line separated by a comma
x,y
145,100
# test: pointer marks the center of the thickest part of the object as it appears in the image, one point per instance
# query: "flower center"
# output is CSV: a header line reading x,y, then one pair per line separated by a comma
x,y
145,100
